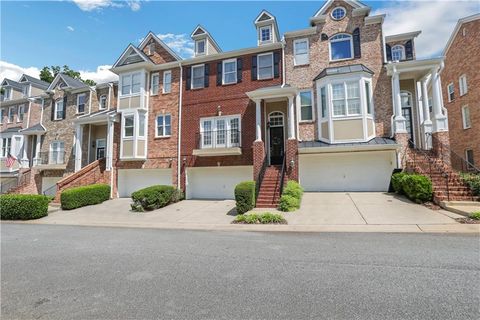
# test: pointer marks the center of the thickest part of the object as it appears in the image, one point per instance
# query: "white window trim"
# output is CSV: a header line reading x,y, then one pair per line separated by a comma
x,y
20,107
60,155
464,118
234,60
132,137
345,98
100,102
10,113
165,73
344,13
7,97
6,148
258,66
204,47
227,128
191,76
56,109
299,100
130,74
370,88
269,27
451,85
156,126
330,47
84,102
403,51
151,83
463,85
295,54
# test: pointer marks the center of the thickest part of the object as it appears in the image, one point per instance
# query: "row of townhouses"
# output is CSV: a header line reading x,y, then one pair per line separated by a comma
x,y
337,106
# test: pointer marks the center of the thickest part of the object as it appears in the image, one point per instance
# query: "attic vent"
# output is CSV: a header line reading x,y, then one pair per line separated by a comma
x,y
324,37
264,17
199,31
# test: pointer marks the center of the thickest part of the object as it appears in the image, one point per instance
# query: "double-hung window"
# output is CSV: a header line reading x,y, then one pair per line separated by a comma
x,y
129,126
466,117
265,66
198,76
346,98
6,146
103,102
57,152
300,48
164,125
341,47
155,84
451,92
21,113
81,102
59,110
265,34
306,106
462,82
167,81
200,47
11,114
131,83
229,71
220,132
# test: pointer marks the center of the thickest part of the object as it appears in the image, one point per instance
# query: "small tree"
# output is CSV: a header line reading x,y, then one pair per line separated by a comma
x,y
47,74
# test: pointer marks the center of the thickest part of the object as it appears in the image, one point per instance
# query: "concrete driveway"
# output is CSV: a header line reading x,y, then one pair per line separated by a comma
x,y
360,208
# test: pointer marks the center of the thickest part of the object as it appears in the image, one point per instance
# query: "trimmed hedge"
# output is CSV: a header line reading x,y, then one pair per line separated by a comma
x,y
397,182
260,218
417,188
291,197
155,197
245,196
84,196
23,206
473,181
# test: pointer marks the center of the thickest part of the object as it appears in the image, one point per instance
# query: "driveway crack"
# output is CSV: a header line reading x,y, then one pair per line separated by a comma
x,y
359,212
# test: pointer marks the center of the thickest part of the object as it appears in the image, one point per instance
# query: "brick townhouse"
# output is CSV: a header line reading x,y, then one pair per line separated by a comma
x,y
461,92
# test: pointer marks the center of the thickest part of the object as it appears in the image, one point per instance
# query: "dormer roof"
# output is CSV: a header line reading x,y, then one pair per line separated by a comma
x,y
70,82
200,33
265,18
131,55
11,83
359,9
25,78
153,36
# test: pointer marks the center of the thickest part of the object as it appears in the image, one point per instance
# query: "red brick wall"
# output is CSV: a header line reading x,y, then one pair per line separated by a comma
x,y
160,55
463,57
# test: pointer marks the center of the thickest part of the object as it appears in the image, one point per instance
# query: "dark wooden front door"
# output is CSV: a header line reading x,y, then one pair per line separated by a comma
x,y
276,145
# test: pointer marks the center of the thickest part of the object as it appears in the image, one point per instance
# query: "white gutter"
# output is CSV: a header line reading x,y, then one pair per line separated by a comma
x,y
179,133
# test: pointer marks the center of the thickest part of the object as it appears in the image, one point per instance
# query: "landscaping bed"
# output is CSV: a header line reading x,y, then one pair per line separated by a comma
x,y
260,218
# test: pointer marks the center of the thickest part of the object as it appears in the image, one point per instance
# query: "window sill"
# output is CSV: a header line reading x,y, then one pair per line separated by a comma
x,y
340,60
228,84
165,93
153,94
306,121
214,152
194,89
265,79
467,128
130,95
301,65
162,137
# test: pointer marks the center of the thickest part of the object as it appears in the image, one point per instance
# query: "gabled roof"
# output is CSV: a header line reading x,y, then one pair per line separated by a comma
x,y
354,3
460,22
36,82
11,129
199,31
264,17
69,81
34,129
151,35
11,83
129,52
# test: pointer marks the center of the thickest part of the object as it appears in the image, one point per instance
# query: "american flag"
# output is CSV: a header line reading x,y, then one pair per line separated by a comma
x,y
10,160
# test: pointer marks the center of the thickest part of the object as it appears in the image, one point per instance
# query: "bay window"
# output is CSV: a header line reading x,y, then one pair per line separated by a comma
x,y
220,132
134,135
128,126
346,99
131,83
341,47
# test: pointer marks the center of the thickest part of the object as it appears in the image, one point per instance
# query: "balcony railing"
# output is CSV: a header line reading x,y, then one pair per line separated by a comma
x,y
217,139
51,158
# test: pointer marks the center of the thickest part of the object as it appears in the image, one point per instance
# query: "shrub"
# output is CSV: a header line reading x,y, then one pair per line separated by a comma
x,y
475,215
245,196
155,197
84,196
293,189
260,218
418,188
397,182
473,181
23,206
288,203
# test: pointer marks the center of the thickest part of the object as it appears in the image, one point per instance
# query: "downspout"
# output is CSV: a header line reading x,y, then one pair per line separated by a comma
x,y
110,87
283,62
90,102
179,133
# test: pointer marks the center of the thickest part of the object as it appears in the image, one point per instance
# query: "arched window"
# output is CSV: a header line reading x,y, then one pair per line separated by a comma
x,y
341,47
338,13
275,119
398,53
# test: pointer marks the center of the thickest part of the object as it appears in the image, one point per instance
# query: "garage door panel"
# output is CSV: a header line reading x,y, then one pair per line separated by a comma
x,y
131,180
354,171
215,182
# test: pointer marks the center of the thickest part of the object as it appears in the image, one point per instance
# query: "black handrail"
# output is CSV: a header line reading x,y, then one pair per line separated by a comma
x,y
283,173
261,175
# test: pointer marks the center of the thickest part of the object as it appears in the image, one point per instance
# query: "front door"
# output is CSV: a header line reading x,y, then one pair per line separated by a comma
x,y
407,113
276,145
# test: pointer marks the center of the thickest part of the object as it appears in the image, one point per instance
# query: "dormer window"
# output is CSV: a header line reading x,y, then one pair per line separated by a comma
x,y
338,13
266,34
398,53
200,47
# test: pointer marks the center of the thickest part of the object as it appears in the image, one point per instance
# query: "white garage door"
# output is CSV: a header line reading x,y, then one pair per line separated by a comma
x,y
216,182
131,180
353,171
48,184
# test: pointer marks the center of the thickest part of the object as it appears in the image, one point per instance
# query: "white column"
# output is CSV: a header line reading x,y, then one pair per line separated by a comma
x,y
439,119
78,147
37,159
427,123
109,145
258,120
25,151
399,120
291,118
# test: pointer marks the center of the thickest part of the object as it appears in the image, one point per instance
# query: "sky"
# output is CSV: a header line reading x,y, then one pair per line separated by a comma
x,y
89,35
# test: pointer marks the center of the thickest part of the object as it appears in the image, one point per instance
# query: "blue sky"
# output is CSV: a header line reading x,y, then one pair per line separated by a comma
x,y
86,34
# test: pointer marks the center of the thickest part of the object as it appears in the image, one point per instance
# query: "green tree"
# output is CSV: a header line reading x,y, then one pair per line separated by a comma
x,y
49,73
46,75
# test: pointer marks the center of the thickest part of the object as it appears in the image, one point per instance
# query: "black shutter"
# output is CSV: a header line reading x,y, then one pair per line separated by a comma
x,y
356,43
53,110
239,69
409,50
64,107
254,67
188,76
276,64
389,52
207,73
219,73
324,37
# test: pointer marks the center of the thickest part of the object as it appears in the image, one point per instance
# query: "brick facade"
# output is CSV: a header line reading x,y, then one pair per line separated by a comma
x,y
463,58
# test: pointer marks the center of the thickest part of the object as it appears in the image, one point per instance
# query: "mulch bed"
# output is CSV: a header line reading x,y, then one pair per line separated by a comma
x,y
467,221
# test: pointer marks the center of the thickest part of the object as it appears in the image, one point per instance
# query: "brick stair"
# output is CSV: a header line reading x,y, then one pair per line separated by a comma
x,y
269,193
447,184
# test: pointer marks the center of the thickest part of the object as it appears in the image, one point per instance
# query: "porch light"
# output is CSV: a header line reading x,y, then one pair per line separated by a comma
x,y
292,163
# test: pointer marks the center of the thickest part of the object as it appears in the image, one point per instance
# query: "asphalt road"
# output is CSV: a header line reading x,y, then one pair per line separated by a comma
x,y
61,272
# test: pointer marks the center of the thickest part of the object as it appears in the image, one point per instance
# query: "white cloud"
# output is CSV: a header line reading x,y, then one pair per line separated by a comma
x,y
14,72
180,43
436,20
70,28
91,5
